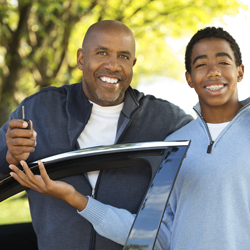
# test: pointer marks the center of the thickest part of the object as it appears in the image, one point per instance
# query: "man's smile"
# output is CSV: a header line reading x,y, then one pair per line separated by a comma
x,y
109,79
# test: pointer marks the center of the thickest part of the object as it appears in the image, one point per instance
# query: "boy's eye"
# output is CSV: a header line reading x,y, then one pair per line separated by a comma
x,y
199,65
225,63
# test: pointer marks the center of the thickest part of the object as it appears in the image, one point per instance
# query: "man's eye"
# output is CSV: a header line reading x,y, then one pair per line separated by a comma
x,y
124,57
103,53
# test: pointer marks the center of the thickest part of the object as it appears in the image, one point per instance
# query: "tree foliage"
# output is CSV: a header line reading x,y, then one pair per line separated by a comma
x,y
39,39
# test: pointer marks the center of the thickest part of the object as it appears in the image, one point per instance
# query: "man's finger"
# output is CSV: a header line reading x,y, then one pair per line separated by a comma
x,y
19,150
20,133
16,123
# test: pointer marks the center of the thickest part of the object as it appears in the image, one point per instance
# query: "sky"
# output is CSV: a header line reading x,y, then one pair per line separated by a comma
x,y
180,93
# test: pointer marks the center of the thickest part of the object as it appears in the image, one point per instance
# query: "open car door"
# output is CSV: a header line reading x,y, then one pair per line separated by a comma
x,y
164,158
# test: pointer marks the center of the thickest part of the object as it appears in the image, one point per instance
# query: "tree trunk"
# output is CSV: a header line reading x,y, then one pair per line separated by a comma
x,y
14,64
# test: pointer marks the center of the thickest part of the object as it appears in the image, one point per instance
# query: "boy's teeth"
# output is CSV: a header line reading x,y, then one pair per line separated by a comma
x,y
215,87
110,80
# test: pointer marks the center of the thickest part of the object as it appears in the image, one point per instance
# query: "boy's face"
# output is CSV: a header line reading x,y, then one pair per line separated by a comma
x,y
214,74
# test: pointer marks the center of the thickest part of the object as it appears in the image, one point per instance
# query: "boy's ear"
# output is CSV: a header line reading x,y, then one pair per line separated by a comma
x,y
189,79
240,72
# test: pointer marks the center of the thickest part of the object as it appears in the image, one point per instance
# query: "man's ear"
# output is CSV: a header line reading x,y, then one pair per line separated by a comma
x,y
80,56
134,62
240,73
189,79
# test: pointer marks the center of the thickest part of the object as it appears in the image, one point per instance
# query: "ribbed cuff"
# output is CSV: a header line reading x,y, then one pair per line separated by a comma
x,y
94,212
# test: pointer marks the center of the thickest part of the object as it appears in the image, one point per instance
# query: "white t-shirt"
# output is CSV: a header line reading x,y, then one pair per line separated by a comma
x,y
100,131
216,128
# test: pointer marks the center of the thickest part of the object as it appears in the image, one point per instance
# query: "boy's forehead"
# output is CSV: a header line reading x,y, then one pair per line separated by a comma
x,y
211,46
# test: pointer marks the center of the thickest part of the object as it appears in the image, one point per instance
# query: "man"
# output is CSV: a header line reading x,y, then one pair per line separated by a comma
x,y
101,110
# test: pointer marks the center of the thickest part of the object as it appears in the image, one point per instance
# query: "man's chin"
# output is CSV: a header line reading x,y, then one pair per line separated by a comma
x,y
109,100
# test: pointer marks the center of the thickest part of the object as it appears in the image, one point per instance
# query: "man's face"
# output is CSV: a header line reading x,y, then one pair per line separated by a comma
x,y
214,74
106,60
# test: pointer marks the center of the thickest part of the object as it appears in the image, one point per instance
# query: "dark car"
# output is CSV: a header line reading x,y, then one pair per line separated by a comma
x,y
164,159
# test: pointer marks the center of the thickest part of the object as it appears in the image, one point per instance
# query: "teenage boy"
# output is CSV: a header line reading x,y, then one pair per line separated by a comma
x,y
209,205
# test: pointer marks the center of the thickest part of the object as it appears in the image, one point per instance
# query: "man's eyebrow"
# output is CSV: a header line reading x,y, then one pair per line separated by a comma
x,y
125,52
107,49
101,48
199,57
220,54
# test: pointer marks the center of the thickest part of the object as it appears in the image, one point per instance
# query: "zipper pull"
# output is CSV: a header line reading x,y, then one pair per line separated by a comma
x,y
209,149
93,193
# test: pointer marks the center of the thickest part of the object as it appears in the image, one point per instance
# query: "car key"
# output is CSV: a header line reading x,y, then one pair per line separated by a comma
x,y
23,118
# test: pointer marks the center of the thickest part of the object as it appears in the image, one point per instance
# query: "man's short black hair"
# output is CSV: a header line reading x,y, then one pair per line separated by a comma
x,y
210,32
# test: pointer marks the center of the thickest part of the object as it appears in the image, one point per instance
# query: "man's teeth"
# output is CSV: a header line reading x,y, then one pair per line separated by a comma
x,y
215,87
110,80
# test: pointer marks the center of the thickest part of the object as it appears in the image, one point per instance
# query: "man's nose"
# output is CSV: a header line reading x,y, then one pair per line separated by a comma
x,y
213,71
112,63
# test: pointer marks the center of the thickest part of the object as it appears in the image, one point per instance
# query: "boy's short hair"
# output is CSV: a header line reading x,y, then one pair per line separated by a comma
x,y
210,32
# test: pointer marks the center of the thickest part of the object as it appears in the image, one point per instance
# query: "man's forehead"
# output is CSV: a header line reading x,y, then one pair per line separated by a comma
x,y
107,38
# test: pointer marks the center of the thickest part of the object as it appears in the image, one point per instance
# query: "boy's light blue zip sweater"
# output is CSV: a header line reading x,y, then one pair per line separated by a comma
x,y
210,204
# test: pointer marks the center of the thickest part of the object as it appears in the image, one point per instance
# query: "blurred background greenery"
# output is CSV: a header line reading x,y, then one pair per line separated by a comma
x,y
39,40
15,209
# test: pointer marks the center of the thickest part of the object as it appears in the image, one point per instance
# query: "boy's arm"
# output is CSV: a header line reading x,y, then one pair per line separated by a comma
x,y
108,221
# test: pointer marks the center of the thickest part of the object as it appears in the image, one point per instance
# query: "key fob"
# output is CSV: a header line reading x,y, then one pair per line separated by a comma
x,y
23,118
28,121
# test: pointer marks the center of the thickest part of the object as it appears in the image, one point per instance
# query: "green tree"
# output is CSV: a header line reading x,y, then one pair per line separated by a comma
x,y
39,39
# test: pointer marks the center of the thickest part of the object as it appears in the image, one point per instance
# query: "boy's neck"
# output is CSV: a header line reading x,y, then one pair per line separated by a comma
x,y
220,114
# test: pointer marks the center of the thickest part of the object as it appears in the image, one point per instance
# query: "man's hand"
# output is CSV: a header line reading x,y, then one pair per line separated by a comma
x,y
20,142
44,185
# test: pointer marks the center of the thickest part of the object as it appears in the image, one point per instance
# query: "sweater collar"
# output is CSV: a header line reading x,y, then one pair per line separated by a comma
x,y
78,103
79,109
245,103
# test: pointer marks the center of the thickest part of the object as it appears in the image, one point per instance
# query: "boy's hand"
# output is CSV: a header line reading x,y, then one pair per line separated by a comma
x,y
44,185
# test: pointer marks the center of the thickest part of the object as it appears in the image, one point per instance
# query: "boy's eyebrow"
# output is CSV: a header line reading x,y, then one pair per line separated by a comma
x,y
199,57
220,54
224,54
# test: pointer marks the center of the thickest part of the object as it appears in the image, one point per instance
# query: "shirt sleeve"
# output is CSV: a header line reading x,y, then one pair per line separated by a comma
x,y
110,222
163,240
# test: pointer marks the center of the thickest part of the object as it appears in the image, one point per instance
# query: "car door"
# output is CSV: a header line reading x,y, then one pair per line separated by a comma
x,y
164,158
